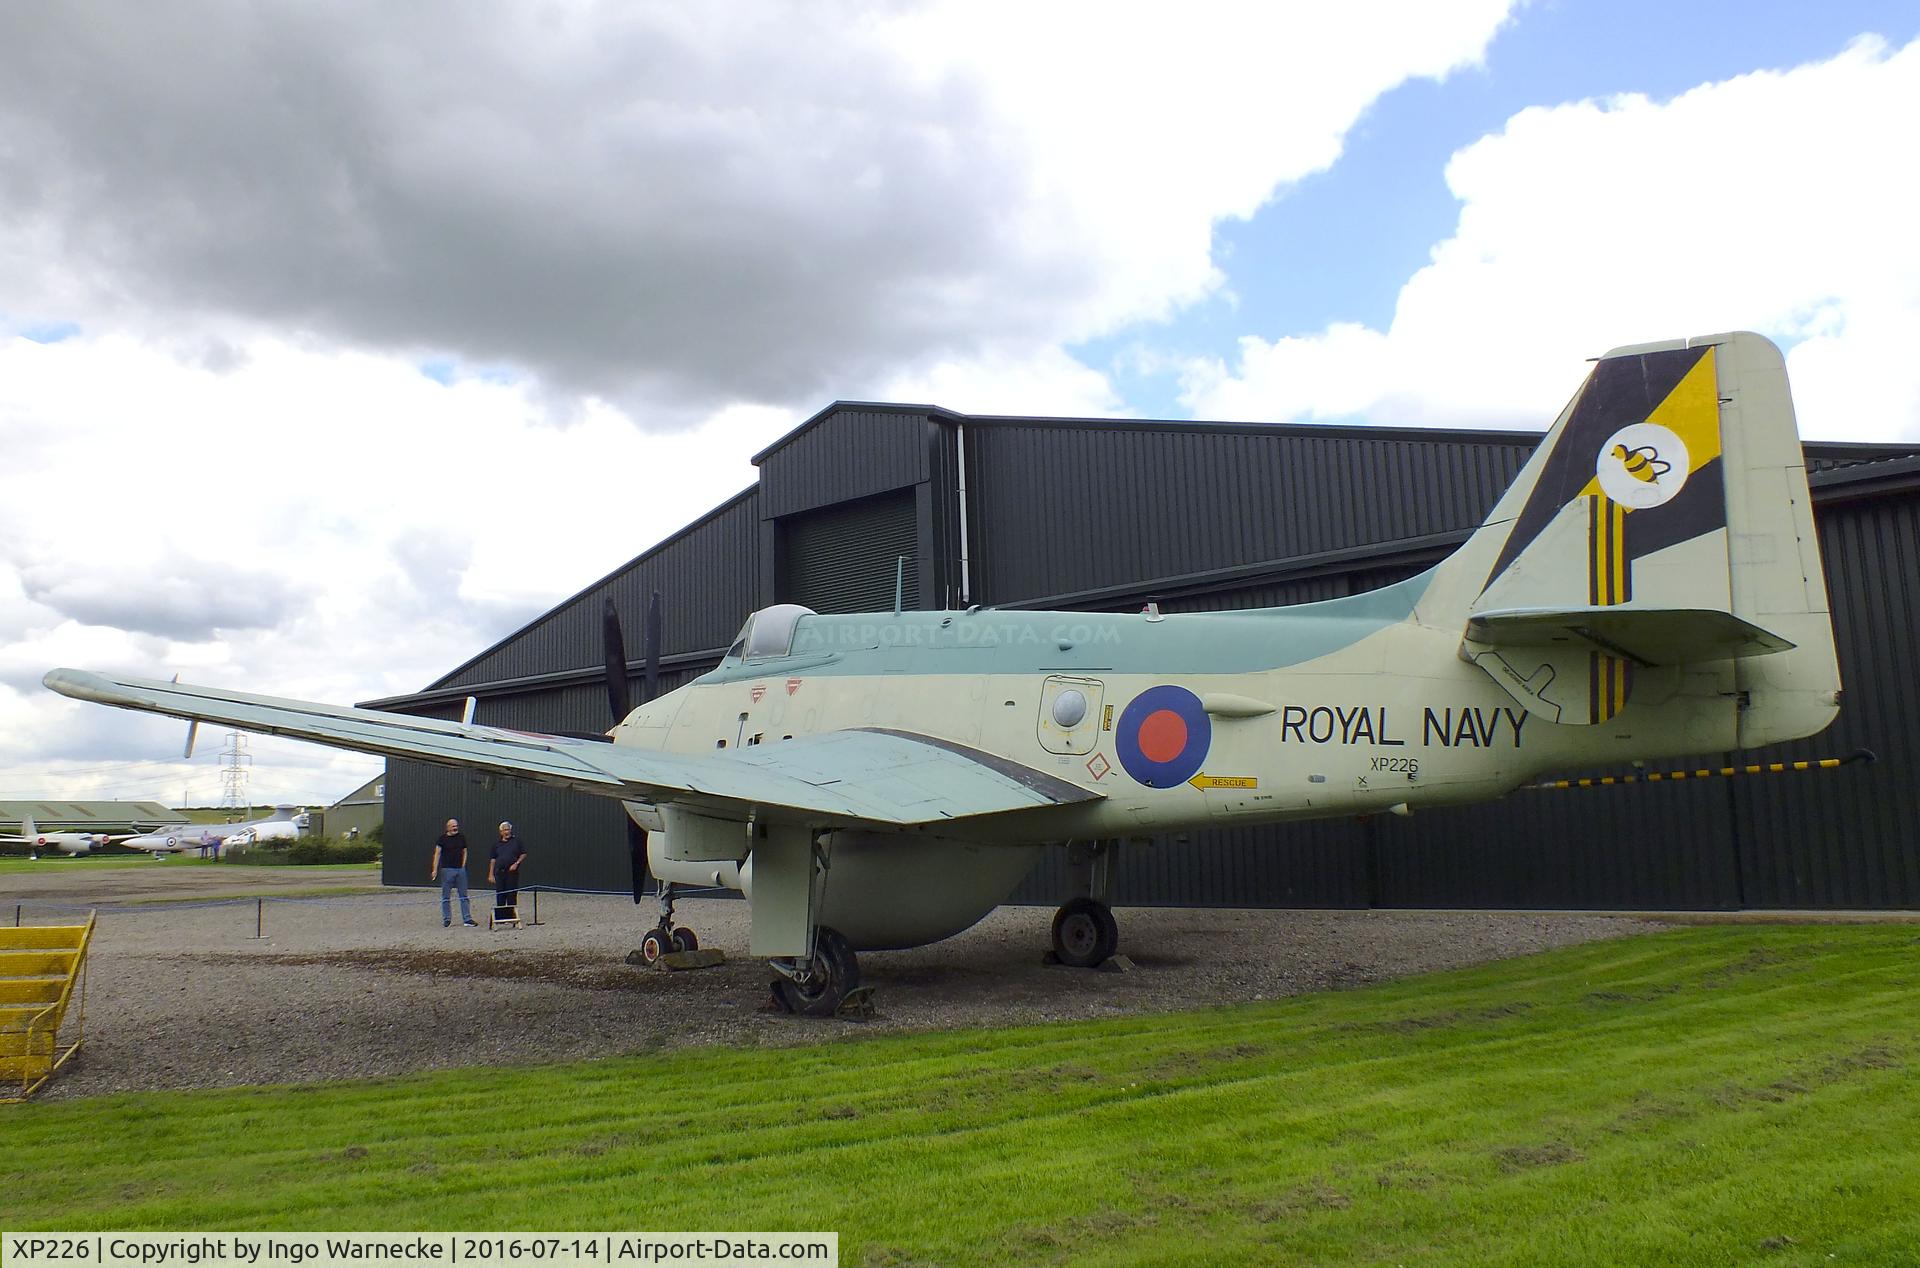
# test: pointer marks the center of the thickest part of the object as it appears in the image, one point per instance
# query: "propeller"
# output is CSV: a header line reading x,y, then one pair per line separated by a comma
x,y
653,646
620,703
619,694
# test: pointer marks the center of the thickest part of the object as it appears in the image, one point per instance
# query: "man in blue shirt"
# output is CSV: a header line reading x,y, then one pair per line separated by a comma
x,y
450,869
503,873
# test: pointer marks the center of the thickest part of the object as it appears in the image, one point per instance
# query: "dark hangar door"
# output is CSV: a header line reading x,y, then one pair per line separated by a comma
x,y
841,558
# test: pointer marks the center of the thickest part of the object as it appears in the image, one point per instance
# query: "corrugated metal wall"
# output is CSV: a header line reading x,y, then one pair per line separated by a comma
x,y
852,451
1120,504
844,558
1850,840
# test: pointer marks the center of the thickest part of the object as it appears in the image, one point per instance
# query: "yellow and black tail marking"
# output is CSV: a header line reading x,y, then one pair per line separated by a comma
x,y
1609,679
1709,772
1609,582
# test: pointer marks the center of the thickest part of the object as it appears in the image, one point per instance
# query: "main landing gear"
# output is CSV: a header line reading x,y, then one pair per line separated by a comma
x,y
664,937
817,985
1085,934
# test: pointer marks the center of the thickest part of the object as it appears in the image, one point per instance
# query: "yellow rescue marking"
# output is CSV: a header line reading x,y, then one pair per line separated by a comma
x,y
1224,781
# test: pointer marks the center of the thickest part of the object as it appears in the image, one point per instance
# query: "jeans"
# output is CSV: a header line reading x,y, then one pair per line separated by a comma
x,y
450,877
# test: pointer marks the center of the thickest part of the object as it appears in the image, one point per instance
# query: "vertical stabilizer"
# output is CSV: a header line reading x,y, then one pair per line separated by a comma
x,y
1664,521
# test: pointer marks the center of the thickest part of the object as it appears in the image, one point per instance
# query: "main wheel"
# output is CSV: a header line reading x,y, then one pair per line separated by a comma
x,y
656,944
1085,933
683,939
831,973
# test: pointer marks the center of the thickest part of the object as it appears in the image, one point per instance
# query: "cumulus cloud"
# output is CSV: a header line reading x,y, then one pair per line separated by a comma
x,y
312,523
1769,202
171,598
671,206
352,336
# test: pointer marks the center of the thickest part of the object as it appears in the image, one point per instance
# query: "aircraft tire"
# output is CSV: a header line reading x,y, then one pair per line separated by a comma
x,y
656,944
684,939
835,972
1085,934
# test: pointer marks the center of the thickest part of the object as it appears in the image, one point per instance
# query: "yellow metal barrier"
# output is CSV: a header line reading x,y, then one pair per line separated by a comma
x,y
40,968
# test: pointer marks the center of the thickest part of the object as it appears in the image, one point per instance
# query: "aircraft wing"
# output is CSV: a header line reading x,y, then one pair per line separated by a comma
x,y
865,776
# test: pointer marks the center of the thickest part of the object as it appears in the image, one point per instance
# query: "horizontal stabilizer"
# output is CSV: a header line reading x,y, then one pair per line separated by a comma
x,y
1577,666
1646,636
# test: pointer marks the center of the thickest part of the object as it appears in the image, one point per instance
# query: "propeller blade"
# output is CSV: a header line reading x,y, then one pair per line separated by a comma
x,y
653,646
637,853
193,731
619,693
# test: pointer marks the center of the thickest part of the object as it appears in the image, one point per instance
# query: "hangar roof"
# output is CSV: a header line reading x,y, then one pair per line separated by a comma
x,y
89,814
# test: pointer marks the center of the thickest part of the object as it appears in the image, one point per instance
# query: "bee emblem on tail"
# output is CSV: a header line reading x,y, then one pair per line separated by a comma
x,y
1641,466
1643,462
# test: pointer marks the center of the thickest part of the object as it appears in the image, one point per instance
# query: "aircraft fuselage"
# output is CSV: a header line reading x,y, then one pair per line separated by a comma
x,y
1355,710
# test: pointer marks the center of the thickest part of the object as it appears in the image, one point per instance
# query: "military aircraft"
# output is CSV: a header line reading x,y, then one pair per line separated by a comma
x,y
64,842
1649,587
284,824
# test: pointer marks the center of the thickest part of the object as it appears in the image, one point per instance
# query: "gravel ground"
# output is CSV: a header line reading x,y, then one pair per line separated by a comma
x,y
183,995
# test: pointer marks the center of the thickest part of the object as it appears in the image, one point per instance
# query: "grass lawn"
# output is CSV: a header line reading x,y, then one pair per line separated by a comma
x,y
1699,1096
116,858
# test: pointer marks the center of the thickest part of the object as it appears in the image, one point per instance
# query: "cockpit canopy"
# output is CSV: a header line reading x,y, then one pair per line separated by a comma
x,y
768,632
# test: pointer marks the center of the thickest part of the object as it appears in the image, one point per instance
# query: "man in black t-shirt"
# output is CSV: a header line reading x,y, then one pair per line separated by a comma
x,y
503,873
450,869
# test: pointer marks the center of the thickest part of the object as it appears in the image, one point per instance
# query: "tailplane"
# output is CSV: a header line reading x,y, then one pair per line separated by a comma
x,y
1664,523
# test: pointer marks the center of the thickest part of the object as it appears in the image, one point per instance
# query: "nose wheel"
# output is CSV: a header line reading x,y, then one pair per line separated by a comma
x,y
663,939
815,986
1085,933
666,936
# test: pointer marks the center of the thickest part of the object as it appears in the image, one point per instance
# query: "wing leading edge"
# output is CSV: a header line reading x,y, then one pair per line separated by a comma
x,y
885,778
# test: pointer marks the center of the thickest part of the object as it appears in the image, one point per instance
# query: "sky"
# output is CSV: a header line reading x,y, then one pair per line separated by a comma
x,y
338,340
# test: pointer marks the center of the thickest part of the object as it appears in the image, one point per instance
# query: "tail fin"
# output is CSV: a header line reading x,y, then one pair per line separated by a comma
x,y
28,830
1664,521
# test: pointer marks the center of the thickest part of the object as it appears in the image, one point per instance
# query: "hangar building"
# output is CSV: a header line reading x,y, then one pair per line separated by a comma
x,y
1086,514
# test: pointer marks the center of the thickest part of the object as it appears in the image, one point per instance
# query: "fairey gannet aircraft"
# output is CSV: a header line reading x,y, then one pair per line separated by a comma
x,y
1649,587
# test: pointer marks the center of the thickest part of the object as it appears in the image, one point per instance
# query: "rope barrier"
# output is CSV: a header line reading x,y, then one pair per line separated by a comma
x,y
416,896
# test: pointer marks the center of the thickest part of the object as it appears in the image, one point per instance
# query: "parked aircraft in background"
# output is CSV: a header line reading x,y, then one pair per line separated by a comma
x,y
284,824
64,842
1649,587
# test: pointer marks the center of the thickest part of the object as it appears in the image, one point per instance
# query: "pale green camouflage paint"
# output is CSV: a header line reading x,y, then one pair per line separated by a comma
x,y
1008,641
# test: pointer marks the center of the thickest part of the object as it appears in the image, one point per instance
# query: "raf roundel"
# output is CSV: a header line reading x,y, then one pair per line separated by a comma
x,y
1163,736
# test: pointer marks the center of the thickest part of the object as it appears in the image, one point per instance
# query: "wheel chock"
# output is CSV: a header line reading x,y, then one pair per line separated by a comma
x,y
703,958
856,1005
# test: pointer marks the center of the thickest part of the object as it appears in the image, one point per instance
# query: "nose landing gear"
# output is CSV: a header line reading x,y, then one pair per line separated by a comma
x,y
665,936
